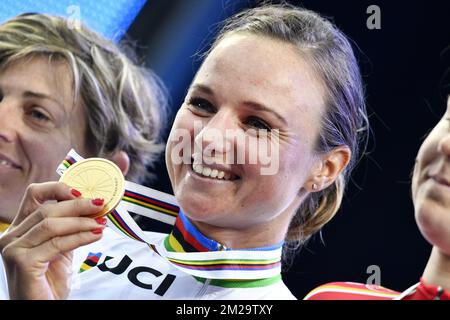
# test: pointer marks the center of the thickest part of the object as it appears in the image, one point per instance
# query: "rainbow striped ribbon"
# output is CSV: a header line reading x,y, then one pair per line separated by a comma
x,y
185,247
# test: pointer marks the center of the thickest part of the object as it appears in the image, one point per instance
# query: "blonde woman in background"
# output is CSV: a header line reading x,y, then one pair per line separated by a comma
x,y
63,88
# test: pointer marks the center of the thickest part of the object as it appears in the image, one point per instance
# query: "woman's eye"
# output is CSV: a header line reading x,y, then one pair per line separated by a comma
x,y
258,123
202,105
38,115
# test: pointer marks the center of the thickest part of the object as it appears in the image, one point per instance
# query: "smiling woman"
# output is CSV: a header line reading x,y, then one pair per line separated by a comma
x,y
278,76
61,88
275,76
431,185
431,198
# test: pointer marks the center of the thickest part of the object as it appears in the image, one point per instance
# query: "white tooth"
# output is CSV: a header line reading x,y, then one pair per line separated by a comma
x,y
206,171
211,173
214,173
198,168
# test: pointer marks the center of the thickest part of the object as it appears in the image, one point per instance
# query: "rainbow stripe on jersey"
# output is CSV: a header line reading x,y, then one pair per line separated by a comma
x,y
196,254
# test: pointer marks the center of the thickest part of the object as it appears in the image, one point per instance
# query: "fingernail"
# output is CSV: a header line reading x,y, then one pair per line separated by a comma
x,y
101,220
98,202
76,193
97,231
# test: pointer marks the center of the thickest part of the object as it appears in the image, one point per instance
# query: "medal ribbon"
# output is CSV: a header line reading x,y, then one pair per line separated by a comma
x,y
186,248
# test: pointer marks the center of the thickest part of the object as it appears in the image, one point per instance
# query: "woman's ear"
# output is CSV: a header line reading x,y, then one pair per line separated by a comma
x,y
330,167
122,160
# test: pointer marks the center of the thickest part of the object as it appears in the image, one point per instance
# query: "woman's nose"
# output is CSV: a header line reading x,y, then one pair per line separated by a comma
x,y
216,136
9,122
444,144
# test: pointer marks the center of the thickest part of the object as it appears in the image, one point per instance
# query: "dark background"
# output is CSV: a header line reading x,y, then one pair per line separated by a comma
x,y
402,64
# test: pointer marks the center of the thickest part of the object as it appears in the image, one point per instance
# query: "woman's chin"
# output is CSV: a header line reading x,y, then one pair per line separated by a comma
x,y
199,210
433,221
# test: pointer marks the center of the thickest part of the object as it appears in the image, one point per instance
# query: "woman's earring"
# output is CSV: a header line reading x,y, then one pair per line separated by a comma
x,y
314,186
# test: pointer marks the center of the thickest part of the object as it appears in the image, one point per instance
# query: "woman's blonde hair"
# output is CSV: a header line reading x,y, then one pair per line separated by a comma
x,y
124,103
345,122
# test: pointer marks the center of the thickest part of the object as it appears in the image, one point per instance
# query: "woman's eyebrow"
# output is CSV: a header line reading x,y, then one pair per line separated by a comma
x,y
202,88
39,95
261,107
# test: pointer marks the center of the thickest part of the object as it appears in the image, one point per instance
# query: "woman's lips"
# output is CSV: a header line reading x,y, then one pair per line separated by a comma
x,y
7,162
441,180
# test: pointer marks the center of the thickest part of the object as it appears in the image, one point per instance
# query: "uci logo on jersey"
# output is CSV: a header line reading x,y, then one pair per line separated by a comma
x,y
93,258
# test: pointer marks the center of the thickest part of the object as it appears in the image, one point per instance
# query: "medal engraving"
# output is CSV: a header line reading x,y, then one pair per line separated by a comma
x,y
97,178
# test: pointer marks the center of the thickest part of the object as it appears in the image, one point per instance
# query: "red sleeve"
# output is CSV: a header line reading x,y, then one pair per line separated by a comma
x,y
351,291
359,291
427,292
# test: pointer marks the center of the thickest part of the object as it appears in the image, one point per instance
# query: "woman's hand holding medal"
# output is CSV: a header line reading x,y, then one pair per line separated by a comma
x,y
53,220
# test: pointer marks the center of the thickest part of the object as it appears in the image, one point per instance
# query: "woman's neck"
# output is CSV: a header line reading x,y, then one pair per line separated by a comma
x,y
262,235
437,271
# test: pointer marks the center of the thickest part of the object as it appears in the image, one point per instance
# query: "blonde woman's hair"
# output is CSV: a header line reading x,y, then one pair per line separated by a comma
x,y
345,122
124,103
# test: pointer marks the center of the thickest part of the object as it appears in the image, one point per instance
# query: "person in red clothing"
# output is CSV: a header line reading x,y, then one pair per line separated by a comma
x,y
431,198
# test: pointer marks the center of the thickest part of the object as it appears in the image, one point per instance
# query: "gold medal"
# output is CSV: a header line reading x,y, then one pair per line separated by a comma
x,y
3,226
97,178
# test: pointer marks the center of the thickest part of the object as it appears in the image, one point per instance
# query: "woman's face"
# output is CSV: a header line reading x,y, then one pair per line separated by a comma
x,y
38,126
431,184
246,83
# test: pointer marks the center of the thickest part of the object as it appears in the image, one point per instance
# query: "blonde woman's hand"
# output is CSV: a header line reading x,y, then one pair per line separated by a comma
x,y
37,248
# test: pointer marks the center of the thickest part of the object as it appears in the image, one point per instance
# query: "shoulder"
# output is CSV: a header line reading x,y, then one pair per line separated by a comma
x,y
275,291
248,290
279,291
351,291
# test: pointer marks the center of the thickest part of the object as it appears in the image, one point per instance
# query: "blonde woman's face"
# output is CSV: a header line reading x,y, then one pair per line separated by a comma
x,y
246,83
38,126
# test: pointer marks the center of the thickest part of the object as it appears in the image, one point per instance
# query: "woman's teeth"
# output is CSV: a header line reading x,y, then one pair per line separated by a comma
x,y
211,173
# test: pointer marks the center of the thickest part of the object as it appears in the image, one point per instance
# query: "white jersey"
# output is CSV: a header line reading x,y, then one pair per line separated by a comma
x,y
120,268
117,267
127,269
4,294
